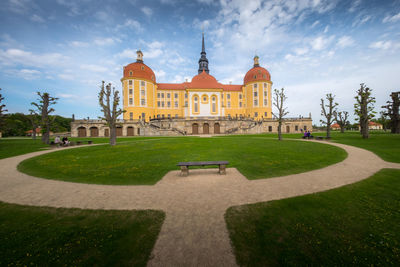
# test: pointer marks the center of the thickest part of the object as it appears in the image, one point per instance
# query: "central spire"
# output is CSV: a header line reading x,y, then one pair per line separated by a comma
x,y
203,61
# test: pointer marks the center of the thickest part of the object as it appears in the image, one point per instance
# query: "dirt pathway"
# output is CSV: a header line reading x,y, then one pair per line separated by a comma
x,y
194,232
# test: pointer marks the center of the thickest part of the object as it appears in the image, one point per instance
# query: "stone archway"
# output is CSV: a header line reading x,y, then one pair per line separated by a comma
x,y
107,132
288,129
130,131
217,128
206,128
81,131
195,128
94,131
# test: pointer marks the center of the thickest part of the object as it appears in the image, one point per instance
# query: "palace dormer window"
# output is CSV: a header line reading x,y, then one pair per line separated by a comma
x,y
130,73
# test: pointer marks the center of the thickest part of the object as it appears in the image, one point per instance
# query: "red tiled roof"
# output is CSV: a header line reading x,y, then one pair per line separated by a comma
x,y
171,86
30,131
232,87
257,74
335,125
371,123
204,81
139,70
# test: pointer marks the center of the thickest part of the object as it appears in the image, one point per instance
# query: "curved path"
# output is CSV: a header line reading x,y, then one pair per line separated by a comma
x,y
194,232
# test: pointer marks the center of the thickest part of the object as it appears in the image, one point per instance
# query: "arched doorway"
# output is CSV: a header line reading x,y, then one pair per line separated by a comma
x,y
195,128
81,131
107,132
288,129
206,128
119,131
130,131
217,128
94,132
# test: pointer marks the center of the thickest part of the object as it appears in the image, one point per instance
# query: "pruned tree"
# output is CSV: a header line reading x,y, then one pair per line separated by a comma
x,y
43,109
341,118
328,110
2,111
35,122
109,100
364,108
393,112
279,100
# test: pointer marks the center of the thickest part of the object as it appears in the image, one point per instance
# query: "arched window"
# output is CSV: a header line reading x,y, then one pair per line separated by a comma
x,y
196,104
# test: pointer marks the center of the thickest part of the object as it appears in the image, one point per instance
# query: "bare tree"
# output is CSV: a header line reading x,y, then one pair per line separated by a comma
x,y
43,109
327,110
109,100
341,118
279,100
35,122
364,108
393,112
2,111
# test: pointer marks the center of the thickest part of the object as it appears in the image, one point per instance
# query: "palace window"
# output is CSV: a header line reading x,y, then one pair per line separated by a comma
x,y
130,73
158,95
169,104
162,104
265,93
130,82
130,91
240,104
269,128
169,116
143,102
130,101
176,95
229,104
142,93
255,93
158,104
162,95
131,115
144,116
168,95
255,85
265,85
214,104
228,96
158,116
143,83
163,116
186,103
176,115
176,104
255,102
142,68
186,95
240,96
296,128
255,114
266,113
265,102
196,104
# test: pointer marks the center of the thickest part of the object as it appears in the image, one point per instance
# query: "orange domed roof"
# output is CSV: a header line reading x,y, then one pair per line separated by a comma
x,y
204,81
257,74
139,70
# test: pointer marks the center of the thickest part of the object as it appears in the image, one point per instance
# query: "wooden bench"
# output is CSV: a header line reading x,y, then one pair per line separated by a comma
x,y
81,142
185,166
322,138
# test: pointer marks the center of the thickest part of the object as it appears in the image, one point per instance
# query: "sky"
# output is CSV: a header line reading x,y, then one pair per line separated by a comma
x,y
310,47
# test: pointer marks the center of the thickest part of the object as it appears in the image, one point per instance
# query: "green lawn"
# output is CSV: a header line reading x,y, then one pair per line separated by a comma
x,y
41,236
356,225
146,161
14,147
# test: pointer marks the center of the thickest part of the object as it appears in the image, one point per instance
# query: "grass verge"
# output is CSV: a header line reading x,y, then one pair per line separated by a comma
x,y
43,236
146,161
358,224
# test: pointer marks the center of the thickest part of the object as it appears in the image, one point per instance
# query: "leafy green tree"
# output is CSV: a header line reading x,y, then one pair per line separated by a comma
x,y
341,118
2,112
364,108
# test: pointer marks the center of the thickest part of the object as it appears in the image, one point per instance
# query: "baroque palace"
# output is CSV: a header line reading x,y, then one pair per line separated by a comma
x,y
201,106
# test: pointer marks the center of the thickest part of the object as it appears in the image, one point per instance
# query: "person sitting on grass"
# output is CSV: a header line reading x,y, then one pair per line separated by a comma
x,y
57,140
305,135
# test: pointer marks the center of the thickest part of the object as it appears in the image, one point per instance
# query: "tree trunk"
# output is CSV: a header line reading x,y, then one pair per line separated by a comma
x,y
113,135
280,131
364,129
342,128
328,131
34,133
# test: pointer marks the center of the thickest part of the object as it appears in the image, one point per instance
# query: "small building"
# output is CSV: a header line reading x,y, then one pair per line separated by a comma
x,y
373,126
38,132
335,127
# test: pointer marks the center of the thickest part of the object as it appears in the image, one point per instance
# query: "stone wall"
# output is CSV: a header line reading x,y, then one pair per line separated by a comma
x,y
178,127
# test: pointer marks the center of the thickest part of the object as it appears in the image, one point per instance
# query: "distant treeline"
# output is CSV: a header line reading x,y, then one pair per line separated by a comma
x,y
16,124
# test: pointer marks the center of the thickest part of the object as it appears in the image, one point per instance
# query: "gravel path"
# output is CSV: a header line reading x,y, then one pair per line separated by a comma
x,y
194,232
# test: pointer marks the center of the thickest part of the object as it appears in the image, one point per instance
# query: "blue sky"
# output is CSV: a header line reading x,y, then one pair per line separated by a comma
x,y
310,47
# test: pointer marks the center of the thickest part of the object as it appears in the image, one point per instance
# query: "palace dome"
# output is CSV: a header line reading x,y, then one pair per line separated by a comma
x,y
257,74
205,81
139,70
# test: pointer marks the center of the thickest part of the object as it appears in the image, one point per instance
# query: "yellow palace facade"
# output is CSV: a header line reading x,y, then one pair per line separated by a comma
x,y
203,96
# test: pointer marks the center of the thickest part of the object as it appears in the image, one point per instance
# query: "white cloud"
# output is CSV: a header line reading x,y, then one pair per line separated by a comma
x,y
315,24
301,51
131,24
361,19
37,18
147,11
381,45
321,42
26,58
345,41
78,44
66,76
354,5
29,74
393,18
159,74
19,6
127,53
73,6
94,68
106,41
